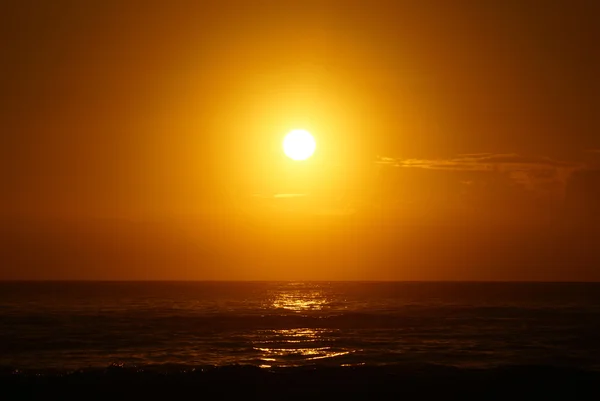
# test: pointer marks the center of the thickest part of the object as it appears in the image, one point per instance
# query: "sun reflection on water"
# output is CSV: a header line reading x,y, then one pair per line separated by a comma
x,y
295,346
290,347
300,300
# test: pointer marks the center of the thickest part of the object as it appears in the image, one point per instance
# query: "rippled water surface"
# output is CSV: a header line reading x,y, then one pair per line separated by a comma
x,y
76,324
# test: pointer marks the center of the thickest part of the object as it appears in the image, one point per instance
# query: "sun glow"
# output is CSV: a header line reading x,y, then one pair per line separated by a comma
x,y
299,144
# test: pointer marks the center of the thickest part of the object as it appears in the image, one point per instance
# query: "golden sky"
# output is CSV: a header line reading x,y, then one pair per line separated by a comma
x,y
426,115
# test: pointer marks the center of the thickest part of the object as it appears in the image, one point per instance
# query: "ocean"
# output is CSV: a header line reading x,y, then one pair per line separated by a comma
x,y
68,326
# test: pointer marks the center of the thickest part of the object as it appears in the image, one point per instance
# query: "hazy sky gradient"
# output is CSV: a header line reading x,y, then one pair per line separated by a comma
x,y
426,114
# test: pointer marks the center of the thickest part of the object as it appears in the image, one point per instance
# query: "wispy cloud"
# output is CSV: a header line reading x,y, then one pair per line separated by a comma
x,y
481,162
542,175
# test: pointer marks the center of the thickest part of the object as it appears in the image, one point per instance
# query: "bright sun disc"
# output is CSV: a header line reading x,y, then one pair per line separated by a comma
x,y
299,144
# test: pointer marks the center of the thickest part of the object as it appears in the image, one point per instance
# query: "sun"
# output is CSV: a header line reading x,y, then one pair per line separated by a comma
x,y
299,144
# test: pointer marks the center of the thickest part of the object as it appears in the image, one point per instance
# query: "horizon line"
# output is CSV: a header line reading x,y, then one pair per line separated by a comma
x,y
293,281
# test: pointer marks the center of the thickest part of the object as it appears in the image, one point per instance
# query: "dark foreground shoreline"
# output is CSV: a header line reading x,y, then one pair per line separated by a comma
x,y
306,383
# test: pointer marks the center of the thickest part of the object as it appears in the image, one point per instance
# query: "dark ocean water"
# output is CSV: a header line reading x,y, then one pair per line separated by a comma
x,y
73,325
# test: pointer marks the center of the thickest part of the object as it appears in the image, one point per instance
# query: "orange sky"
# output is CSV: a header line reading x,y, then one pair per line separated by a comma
x,y
455,140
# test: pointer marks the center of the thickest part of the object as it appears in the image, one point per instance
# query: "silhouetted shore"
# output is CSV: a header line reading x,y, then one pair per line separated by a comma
x,y
309,383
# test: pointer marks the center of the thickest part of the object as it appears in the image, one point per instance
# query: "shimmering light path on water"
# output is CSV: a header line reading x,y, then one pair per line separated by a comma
x,y
77,325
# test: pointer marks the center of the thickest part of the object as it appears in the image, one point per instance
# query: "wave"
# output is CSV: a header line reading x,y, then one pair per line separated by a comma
x,y
364,318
